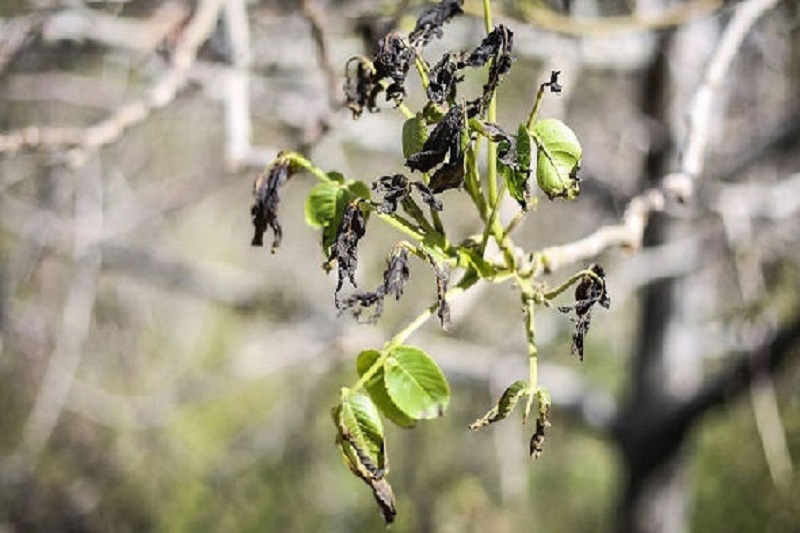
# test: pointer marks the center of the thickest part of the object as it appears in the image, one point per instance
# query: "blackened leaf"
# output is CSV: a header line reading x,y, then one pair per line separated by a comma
x,y
430,22
397,272
415,383
377,390
384,497
267,198
542,424
345,248
442,139
392,62
414,135
591,290
555,87
498,46
394,189
449,176
428,197
506,404
443,79
558,159
361,86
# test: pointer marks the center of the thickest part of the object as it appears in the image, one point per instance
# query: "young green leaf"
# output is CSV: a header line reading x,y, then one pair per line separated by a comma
x,y
558,159
376,387
320,206
360,440
415,383
414,135
504,406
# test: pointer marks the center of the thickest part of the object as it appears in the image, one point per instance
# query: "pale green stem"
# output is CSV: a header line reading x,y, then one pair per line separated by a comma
x,y
491,116
530,332
569,283
536,105
406,332
403,108
422,71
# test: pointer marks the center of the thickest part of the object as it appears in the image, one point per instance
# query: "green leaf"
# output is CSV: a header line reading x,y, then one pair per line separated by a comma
x,y
360,441
473,259
335,176
504,406
358,189
414,135
321,205
415,383
376,387
558,159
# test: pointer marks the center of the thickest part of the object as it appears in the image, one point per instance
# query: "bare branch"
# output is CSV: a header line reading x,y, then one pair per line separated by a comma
x,y
162,92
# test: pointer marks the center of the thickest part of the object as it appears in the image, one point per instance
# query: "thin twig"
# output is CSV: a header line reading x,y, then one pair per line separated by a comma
x,y
161,94
76,317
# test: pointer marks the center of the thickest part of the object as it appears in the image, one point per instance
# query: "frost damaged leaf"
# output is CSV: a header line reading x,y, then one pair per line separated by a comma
x,y
504,406
542,424
376,387
430,22
415,383
360,440
397,188
267,198
443,79
394,279
496,46
558,159
444,138
443,312
386,72
345,248
590,291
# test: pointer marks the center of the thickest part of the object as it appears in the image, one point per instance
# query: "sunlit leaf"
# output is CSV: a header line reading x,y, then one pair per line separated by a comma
x,y
558,159
320,206
504,406
377,390
415,383
414,135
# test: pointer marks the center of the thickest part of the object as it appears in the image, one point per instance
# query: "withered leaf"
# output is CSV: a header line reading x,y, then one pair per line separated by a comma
x,y
394,188
430,22
540,432
392,61
497,46
444,138
443,78
442,278
361,86
553,84
267,198
504,406
427,196
591,290
394,279
384,496
449,176
345,248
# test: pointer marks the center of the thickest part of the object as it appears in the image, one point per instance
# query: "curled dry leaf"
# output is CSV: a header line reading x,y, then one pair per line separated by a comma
x,y
430,22
591,290
267,198
345,247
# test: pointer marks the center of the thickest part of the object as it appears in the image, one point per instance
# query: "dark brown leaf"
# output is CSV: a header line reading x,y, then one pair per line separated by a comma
x,y
591,290
345,247
267,198
444,138
394,279
430,22
539,434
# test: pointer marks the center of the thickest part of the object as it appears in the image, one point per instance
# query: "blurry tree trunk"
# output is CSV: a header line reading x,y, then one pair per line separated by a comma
x,y
653,498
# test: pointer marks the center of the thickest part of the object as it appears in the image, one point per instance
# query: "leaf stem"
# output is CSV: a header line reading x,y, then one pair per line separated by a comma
x,y
536,105
491,116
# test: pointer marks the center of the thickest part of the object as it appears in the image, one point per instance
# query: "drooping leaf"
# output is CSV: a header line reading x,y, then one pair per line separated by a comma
x,y
505,405
496,46
591,290
267,198
415,383
444,78
361,442
542,423
345,248
558,159
443,139
376,387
